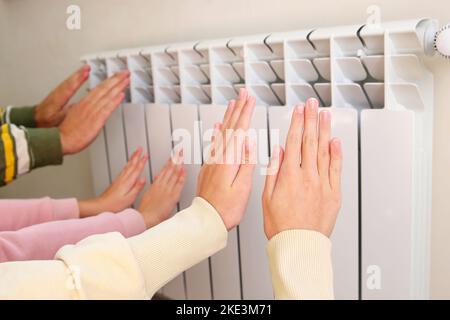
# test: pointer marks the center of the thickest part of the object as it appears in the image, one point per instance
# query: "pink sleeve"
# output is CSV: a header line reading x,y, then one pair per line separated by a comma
x,y
17,213
42,241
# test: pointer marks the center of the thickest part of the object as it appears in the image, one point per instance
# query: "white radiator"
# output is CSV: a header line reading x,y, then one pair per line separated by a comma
x,y
372,79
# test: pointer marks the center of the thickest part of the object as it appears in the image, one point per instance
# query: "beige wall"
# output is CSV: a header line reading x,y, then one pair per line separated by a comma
x,y
37,51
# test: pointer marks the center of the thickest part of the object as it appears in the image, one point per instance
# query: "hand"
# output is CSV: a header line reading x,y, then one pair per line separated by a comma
x,y
159,201
226,185
86,118
303,188
51,111
122,193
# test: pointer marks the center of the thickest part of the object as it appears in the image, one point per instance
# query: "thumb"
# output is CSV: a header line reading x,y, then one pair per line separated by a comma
x,y
137,188
67,89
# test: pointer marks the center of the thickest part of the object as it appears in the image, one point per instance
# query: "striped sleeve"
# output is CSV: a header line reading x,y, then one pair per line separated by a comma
x,y
23,149
20,116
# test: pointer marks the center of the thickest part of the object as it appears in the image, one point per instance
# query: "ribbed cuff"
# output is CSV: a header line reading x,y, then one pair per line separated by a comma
x,y
300,265
132,221
178,243
45,147
22,116
65,209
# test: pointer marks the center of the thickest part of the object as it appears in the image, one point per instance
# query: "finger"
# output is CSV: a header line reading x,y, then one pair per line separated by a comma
x,y
323,156
177,169
215,143
75,81
216,130
229,112
245,173
136,189
104,87
309,143
109,108
272,171
335,164
116,90
236,112
137,170
246,114
132,162
180,182
65,90
294,137
178,156
166,172
233,150
226,119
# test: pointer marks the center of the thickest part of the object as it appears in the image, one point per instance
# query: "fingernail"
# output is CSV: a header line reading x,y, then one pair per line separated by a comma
x,y
312,104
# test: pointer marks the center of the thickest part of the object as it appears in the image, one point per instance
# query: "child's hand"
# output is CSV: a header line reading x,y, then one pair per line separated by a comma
x,y
303,188
226,182
85,119
122,192
159,201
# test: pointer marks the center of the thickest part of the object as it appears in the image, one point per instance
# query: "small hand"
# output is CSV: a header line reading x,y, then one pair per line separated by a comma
x,y
85,119
226,182
52,111
303,187
159,201
122,193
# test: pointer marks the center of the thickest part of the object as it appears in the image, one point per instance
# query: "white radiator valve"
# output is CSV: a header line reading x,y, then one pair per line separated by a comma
x,y
442,41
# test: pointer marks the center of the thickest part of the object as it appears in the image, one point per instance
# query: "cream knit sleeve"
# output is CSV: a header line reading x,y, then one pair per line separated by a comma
x,y
300,265
109,266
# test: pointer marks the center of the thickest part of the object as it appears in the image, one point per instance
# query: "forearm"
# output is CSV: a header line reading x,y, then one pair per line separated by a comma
x,y
300,265
175,245
16,214
138,266
42,241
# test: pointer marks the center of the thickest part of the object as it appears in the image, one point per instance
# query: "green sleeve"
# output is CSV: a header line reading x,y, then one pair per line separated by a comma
x,y
20,116
23,149
45,147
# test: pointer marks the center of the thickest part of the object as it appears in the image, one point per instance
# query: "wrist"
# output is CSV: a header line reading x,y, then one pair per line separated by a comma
x,y
65,146
149,218
89,208
36,117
